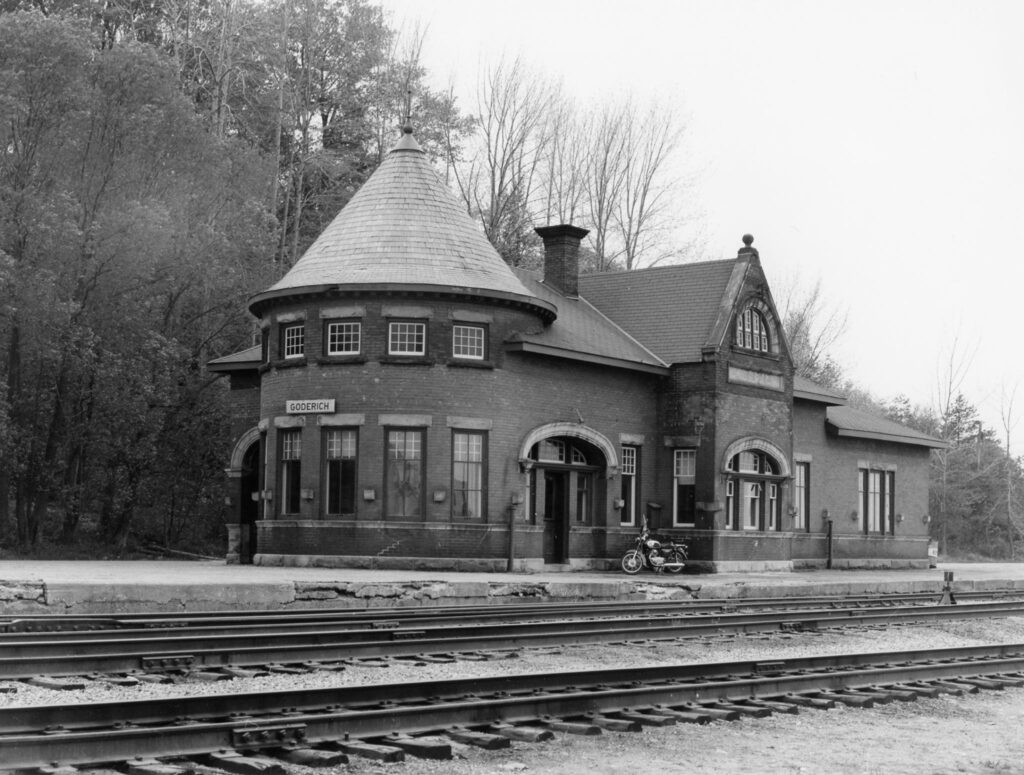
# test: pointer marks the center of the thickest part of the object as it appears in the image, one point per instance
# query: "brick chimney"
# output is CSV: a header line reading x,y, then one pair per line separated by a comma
x,y
562,257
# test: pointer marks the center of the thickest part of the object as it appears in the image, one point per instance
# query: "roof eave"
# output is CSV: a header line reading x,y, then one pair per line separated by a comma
x,y
575,355
820,398
547,311
890,437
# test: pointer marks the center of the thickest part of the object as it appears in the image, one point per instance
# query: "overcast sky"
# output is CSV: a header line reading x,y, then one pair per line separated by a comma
x,y
874,145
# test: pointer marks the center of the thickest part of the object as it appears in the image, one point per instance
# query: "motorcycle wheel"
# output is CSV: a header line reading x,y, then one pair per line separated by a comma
x,y
632,561
677,556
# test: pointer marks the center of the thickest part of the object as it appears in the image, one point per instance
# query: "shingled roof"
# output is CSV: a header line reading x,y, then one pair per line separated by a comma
x,y
854,423
671,310
403,229
583,333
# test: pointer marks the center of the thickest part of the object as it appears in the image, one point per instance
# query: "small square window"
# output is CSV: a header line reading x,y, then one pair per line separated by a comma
x,y
468,342
293,340
343,338
407,339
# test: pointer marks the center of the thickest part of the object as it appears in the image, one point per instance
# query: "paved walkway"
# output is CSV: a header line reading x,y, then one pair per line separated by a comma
x,y
37,587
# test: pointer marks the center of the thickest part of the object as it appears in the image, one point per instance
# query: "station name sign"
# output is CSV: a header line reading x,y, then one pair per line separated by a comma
x,y
309,406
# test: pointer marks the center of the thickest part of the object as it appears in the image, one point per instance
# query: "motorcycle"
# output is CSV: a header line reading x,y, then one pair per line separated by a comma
x,y
654,553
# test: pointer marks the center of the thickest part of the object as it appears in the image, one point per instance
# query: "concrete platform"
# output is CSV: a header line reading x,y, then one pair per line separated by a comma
x,y
57,587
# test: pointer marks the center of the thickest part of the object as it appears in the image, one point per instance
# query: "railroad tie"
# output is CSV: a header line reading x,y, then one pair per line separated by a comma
x,y
525,733
244,764
311,757
425,747
569,727
645,716
772,705
373,751
981,683
140,766
686,716
743,710
483,740
953,688
856,701
720,714
805,701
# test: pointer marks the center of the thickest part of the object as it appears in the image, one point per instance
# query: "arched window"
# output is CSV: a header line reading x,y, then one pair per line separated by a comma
x,y
753,331
752,493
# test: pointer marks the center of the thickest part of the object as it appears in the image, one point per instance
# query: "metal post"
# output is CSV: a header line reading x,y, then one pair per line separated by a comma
x,y
828,561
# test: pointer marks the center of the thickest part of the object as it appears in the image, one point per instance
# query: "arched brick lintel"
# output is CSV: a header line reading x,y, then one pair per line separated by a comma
x,y
761,445
245,441
573,430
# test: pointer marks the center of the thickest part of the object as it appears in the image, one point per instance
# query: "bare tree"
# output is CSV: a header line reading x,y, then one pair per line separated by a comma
x,y
606,155
647,186
498,181
564,166
813,327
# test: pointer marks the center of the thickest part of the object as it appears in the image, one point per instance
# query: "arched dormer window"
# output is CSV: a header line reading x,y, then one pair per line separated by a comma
x,y
754,329
751,331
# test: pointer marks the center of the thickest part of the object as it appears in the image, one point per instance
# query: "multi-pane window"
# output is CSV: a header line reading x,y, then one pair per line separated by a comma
x,y
293,340
629,469
751,330
340,471
550,451
583,498
877,496
802,496
403,473
468,475
684,499
343,338
752,492
468,342
291,471
407,338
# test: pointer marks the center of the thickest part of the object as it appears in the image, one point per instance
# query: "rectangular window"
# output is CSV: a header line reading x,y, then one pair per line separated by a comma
x,y
584,482
772,508
343,338
751,504
551,451
730,505
802,496
291,471
877,497
340,471
469,342
403,473
407,338
469,456
293,341
630,470
685,496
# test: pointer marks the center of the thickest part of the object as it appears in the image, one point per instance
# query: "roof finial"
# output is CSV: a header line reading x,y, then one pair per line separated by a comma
x,y
748,249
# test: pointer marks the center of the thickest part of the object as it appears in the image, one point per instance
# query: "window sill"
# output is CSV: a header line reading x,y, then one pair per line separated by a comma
x,y
415,360
340,359
465,363
757,353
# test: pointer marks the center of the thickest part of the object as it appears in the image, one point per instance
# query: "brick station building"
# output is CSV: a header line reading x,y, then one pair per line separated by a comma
x,y
417,403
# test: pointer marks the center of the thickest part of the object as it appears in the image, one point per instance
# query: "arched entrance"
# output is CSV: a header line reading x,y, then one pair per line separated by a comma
x,y
249,507
755,473
246,477
567,466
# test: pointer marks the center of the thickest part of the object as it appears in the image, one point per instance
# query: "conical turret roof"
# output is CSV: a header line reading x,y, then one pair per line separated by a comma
x,y
404,229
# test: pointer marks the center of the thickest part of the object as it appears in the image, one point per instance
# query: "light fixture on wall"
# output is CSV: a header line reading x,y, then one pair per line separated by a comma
x,y
926,519
899,517
854,515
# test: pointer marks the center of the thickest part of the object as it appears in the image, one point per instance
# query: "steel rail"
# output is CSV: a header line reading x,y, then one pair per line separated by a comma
x,y
183,652
99,733
100,625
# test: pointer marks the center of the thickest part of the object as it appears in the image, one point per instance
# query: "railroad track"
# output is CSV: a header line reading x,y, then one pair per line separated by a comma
x,y
141,653
388,721
223,621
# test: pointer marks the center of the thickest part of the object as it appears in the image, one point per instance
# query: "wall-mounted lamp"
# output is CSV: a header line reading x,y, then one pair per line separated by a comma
x,y
369,495
440,495
854,515
306,494
824,514
698,427
517,498
618,503
926,519
899,517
